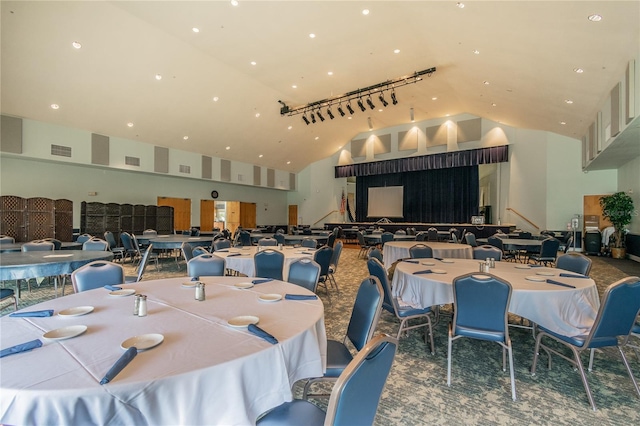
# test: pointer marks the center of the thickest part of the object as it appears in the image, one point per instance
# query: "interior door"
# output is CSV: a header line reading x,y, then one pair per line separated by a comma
x,y
181,211
248,215
293,215
207,214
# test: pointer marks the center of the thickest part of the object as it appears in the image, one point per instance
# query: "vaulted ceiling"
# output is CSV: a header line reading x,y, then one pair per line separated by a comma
x,y
514,62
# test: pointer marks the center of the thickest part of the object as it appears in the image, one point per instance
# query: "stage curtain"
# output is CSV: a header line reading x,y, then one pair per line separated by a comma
x,y
449,195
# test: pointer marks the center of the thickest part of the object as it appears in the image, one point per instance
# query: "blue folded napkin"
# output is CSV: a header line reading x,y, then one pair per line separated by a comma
x,y
266,280
412,261
234,254
195,278
437,258
559,283
425,271
564,274
23,347
121,363
307,252
535,266
222,251
261,333
300,296
45,313
112,287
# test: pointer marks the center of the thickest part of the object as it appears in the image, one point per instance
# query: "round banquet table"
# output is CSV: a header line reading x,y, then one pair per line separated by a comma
x,y
290,239
394,250
565,310
204,372
175,241
241,259
23,265
514,244
377,238
13,247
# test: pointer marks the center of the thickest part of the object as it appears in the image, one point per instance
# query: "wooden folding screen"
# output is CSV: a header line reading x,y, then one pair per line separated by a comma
x,y
27,219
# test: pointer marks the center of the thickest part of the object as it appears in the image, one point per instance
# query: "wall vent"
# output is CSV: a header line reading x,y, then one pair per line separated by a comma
x,y
60,150
132,161
185,169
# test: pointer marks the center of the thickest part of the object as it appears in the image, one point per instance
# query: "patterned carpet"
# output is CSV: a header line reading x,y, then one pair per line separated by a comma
x,y
416,392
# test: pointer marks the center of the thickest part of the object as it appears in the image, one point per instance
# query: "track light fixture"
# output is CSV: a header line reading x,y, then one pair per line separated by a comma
x,y
383,100
355,95
370,103
305,119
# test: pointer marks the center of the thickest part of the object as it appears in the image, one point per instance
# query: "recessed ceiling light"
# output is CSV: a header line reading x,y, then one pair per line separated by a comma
x,y
158,77
76,44
595,17
568,101
486,83
476,52
260,156
493,104
435,98
186,138
578,70
234,2
290,127
317,137
130,124
460,5
294,86
257,114
253,62
563,122
396,51
380,110
349,118
228,148
312,35
288,162
330,73
216,99
365,11
55,106
195,30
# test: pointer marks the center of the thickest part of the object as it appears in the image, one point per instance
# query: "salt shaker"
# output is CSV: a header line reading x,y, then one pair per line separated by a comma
x,y
200,291
136,304
492,263
142,309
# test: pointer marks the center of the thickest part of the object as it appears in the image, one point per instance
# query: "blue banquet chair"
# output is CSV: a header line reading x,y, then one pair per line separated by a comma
x,y
612,327
221,244
420,251
487,251
304,272
144,261
7,293
267,242
362,323
95,244
206,265
97,274
84,237
269,264
279,237
308,242
375,253
548,252
118,252
481,303
355,397
323,257
574,262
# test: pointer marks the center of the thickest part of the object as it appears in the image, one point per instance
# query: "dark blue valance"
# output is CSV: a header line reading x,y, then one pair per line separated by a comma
x,y
445,160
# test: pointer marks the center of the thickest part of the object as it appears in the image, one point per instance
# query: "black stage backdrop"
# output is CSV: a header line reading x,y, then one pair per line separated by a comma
x,y
431,196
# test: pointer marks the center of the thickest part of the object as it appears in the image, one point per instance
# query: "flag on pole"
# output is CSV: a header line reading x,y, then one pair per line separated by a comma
x,y
343,203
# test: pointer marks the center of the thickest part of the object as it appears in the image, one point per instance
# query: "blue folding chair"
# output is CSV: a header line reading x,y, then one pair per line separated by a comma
x,y
97,274
269,264
420,251
304,272
206,265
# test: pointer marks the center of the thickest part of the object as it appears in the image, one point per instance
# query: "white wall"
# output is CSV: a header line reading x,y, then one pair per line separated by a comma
x,y
629,180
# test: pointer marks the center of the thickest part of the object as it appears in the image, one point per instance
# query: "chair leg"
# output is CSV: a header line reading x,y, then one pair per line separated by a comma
x,y
583,376
450,341
511,372
626,364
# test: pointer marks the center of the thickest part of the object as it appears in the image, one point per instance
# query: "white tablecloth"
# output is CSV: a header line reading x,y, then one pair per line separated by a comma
x,y
245,263
205,372
569,311
394,250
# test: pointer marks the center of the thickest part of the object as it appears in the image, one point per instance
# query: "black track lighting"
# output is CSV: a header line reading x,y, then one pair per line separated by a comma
x,y
393,98
361,105
383,100
370,103
349,108
305,119
320,115
340,111
313,118
329,113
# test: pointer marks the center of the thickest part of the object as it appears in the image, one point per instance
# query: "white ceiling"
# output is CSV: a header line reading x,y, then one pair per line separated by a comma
x,y
528,51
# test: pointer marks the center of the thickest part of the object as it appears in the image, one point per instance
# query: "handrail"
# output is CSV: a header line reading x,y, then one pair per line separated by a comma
x,y
331,212
517,213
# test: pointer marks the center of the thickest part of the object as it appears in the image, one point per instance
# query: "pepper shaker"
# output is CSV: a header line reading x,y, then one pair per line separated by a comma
x,y
136,304
142,310
200,291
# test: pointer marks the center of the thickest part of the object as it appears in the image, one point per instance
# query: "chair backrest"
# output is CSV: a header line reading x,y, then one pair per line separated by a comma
x,y
323,257
420,251
108,236
197,251
57,244
150,233
38,245
5,239
136,245
376,268
487,251
144,262
568,244
187,251
95,244
618,311
421,236
304,272
206,265
455,234
549,248
470,238
574,262
366,312
97,274
245,238
356,394
269,264
331,239
375,253
267,242
335,257
127,243
84,237
221,244
279,237
401,232
432,234
385,237
496,242
309,242
481,302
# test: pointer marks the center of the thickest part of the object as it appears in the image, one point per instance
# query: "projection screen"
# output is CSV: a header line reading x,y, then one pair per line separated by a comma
x,y
385,202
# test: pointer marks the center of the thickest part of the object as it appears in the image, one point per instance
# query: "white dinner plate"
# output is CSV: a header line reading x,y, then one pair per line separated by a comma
x,y
447,261
523,267
76,312
438,271
143,342
271,297
427,263
65,332
545,273
243,285
58,255
121,293
481,277
243,321
536,278
189,284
